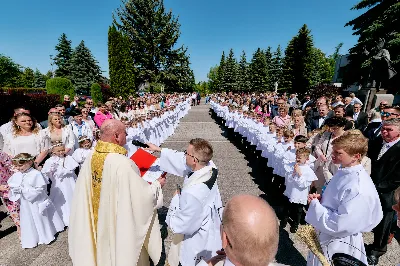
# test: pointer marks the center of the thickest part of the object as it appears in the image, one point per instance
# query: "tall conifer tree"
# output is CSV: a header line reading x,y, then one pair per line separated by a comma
x,y
298,62
153,36
121,65
230,77
84,69
268,60
243,74
276,68
258,71
63,57
221,73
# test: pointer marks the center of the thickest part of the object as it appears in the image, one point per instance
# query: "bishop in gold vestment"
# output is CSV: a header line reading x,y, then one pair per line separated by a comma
x,y
113,218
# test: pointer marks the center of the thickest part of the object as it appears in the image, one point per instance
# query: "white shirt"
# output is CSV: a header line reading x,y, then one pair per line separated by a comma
x,y
355,116
321,121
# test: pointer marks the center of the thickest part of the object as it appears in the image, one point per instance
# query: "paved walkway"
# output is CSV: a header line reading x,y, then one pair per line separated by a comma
x,y
238,174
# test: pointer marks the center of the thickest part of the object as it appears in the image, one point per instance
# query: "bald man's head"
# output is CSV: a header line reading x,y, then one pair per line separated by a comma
x,y
250,231
113,131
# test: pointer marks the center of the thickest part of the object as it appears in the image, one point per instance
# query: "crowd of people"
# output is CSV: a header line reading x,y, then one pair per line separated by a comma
x,y
40,161
337,167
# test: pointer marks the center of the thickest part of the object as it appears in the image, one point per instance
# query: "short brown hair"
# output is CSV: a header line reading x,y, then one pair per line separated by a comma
x,y
203,149
287,133
303,151
352,142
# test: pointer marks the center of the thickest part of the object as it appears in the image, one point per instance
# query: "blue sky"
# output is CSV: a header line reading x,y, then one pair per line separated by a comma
x,y
29,29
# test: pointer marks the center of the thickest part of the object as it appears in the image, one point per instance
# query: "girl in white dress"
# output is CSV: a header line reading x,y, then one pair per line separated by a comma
x,y
60,169
297,187
85,147
39,219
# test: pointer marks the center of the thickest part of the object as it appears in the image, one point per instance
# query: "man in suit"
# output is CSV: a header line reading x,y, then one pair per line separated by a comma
x,y
348,106
385,156
360,118
279,103
373,129
319,120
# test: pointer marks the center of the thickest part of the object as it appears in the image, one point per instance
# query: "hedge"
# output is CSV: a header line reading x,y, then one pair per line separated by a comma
x,y
60,86
23,90
95,93
38,104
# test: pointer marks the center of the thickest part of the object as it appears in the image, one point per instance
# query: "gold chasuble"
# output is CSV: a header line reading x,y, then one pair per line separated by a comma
x,y
113,219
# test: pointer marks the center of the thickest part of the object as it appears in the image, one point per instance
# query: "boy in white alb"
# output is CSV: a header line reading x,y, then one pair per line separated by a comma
x,y
193,214
297,187
348,206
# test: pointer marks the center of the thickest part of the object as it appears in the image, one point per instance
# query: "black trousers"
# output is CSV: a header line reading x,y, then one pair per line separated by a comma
x,y
294,211
381,234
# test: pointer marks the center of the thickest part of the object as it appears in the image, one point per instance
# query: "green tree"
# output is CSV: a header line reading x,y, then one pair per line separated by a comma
x,y
243,74
322,71
258,71
220,84
121,65
95,93
84,69
153,36
40,81
213,79
60,86
268,60
230,76
276,67
380,20
28,78
9,72
63,57
298,62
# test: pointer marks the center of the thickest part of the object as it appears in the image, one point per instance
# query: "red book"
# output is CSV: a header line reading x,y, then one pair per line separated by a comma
x,y
148,165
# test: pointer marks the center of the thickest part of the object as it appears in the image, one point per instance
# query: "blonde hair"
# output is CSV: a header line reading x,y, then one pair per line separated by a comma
x,y
50,123
17,130
352,142
297,113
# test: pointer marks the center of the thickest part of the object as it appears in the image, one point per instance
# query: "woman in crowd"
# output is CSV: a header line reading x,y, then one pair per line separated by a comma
x,y
87,119
282,119
324,168
26,138
58,132
102,114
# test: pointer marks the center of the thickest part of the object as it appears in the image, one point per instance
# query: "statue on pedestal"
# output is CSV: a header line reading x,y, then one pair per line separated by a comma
x,y
381,66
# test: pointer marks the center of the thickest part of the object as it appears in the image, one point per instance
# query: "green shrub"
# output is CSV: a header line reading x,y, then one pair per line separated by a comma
x,y
23,90
60,86
95,92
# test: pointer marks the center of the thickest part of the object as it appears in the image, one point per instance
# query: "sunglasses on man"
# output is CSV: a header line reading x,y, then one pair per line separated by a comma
x,y
387,114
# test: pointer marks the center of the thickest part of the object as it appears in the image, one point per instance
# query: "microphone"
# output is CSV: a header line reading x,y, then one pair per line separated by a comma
x,y
139,144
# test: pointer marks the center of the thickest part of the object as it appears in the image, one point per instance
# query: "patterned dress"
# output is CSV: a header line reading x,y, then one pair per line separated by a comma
x,y
6,171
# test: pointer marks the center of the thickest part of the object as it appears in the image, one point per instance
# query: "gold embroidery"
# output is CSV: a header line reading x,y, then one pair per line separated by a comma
x,y
101,151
